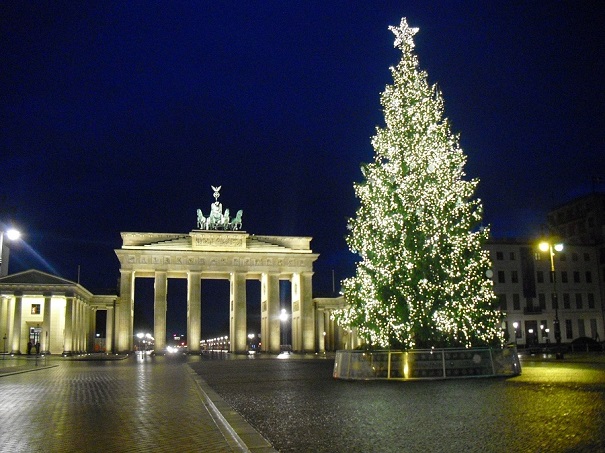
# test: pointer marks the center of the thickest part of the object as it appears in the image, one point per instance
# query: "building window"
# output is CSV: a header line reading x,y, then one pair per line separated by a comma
x,y
542,300
564,277
544,328
540,276
588,277
574,256
568,330
566,303
503,303
499,256
590,300
501,278
586,256
576,277
35,309
512,256
594,333
514,277
581,330
562,257
579,301
516,302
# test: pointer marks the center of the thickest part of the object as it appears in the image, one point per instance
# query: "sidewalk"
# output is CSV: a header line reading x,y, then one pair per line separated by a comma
x,y
23,364
138,403
570,357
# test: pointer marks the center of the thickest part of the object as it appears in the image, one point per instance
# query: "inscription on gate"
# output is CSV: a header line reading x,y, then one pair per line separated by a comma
x,y
202,240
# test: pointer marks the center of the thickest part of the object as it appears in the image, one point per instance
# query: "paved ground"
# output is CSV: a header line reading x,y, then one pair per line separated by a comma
x,y
132,405
161,404
553,406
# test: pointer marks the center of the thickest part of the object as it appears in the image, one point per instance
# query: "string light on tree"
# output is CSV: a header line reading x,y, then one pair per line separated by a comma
x,y
422,276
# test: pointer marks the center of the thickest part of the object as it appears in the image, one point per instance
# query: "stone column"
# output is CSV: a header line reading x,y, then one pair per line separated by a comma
x,y
303,319
76,345
338,336
109,324
45,337
329,326
321,339
4,323
16,340
295,313
69,321
160,287
270,322
237,316
84,326
125,312
92,329
80,326
194,311
307,312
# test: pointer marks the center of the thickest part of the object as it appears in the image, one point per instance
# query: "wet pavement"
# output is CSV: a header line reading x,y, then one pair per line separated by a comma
x,y
553,406
198,404
141,403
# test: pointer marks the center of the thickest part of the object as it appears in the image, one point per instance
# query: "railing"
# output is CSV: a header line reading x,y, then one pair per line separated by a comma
x,y
426,364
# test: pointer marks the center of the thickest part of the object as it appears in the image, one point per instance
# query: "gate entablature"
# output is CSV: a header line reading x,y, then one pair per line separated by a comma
x,y
180,255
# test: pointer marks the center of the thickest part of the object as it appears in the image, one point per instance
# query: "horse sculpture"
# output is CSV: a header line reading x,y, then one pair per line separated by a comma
x,y
201,220
217,220
236,223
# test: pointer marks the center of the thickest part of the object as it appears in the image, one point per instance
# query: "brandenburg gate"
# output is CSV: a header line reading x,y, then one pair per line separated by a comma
x,y
219,249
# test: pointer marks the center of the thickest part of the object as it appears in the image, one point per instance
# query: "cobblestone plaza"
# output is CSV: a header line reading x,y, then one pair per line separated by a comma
x,y
291,403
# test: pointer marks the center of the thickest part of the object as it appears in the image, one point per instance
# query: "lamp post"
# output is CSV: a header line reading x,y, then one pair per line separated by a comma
x,y
516,326
284,319
250,343
551,248
140,336
12,235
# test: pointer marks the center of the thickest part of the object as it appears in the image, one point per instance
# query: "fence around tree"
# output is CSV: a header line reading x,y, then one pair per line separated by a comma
x,y
426,364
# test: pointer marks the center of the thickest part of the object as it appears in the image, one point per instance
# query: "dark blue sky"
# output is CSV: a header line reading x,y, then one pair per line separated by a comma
x,y
118,116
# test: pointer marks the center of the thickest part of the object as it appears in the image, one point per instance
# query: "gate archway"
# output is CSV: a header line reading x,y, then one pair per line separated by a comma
x,y
213,254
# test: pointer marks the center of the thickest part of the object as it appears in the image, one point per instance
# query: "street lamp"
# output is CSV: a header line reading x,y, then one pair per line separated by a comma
x,y
12,235
251,343
140,336
551,247
515,325
284,319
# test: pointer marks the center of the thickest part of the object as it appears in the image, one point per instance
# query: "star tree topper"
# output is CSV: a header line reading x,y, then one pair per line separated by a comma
x,y
404,34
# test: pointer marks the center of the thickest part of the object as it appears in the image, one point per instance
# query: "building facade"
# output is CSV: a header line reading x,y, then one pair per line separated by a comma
x,y
43,313
530,299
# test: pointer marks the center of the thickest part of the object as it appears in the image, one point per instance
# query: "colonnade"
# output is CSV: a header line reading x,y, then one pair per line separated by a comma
x,y
330,336
302,318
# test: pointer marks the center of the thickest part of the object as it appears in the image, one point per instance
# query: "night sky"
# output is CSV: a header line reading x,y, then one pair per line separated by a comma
x,y
119,116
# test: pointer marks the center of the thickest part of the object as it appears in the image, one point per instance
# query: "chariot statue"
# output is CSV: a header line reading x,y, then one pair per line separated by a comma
x,y
217,220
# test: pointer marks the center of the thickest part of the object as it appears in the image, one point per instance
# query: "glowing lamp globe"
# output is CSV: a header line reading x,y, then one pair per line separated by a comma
x,y
13,234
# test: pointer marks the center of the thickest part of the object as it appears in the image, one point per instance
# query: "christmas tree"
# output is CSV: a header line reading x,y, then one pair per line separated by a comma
x,y
423,277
